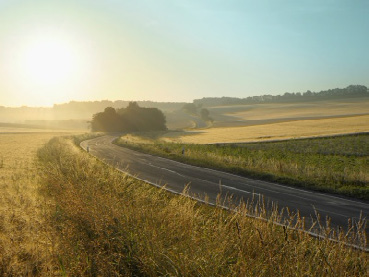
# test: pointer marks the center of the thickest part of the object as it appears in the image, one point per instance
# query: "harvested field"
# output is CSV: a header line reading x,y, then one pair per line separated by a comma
x,y
242,115
273,131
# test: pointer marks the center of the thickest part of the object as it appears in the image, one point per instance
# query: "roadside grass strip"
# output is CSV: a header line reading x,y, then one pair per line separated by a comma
x,y
109,223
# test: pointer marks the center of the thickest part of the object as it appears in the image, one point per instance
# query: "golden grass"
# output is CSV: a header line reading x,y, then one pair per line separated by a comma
x,y
4,130
25,243
296,110
273,131
112,225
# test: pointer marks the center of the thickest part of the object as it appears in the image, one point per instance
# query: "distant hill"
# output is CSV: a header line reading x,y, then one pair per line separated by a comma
x,y
352,91
75,110
75,114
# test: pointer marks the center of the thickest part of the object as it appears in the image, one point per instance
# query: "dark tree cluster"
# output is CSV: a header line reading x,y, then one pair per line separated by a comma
x,y
197,110
130,119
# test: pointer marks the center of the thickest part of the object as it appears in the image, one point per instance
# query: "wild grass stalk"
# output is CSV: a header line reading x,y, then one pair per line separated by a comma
x,y
110,224
26,248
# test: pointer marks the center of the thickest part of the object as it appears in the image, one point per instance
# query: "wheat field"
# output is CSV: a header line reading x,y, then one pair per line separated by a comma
x,y
68,214
296,110
25,244
112,225
17,130
272,131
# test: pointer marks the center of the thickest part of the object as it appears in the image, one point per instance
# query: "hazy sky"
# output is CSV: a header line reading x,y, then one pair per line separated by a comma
x,y
178,50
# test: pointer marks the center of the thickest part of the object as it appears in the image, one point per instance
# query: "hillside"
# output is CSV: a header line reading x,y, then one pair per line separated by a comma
x,y
226,111
74,110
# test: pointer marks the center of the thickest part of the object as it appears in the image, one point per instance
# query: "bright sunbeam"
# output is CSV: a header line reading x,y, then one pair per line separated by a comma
x,y
48,66
48,61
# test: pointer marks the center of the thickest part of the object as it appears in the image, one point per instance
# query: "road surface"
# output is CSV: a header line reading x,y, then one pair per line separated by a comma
x,y
202,181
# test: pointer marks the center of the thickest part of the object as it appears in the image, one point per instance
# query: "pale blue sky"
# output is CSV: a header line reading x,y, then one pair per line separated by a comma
x,y
178,50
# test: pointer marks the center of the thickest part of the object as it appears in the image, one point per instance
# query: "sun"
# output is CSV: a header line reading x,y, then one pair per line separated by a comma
x,y
48,61
41,66
49,66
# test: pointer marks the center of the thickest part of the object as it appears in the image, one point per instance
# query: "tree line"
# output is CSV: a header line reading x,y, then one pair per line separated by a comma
x,y
351,91
130,119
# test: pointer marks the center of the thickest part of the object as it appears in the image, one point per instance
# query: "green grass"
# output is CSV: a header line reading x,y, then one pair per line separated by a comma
x,y
349,145
109,224
333,164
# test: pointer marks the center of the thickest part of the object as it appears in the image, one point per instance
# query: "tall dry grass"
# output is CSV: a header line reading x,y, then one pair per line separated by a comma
x,y
110,224
26,247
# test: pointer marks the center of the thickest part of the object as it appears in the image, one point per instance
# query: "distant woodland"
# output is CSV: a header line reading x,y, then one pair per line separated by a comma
x,y
352,91
74,110
130,119
83,111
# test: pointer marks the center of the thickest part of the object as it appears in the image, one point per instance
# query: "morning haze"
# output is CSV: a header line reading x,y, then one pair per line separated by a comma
x,y
169,51
184,138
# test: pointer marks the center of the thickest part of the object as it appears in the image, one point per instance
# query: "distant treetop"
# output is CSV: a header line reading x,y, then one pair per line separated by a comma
x,y
351,91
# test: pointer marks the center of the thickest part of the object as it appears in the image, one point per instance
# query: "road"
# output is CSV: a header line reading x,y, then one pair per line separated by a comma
x,y
202,181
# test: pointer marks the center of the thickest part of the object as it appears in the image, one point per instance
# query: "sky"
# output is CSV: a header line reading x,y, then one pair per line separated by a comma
x,y
178,50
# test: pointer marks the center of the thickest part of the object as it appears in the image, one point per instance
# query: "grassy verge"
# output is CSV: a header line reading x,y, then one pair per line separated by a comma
x,y
79,138
109,224
334,164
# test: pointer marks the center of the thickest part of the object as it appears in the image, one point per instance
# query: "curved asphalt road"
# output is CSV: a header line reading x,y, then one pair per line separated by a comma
x,y
203,181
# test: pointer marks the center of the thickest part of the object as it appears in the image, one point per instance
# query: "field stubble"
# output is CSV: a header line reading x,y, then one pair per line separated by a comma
x,y
258,132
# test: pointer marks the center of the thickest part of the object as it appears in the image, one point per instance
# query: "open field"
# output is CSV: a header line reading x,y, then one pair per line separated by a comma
x,y
12,130
257,114
71,215
335,164
271,131
110,224
25,241
228,116
28,128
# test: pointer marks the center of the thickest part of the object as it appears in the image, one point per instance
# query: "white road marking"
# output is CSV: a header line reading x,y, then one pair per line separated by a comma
x,y
236,189
166,169
330,212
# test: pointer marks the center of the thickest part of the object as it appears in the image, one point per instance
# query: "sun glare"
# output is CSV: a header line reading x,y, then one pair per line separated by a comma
x,y
49,66
48,61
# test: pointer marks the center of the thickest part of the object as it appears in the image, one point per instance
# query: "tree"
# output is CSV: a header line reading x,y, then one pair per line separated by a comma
x,y
132,118
107,121
205,115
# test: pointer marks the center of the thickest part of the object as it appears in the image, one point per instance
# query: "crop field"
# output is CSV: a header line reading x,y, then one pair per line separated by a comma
x,y
297,110
228,116
257,114
6,128
25,245
62,212
270,131
336,164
